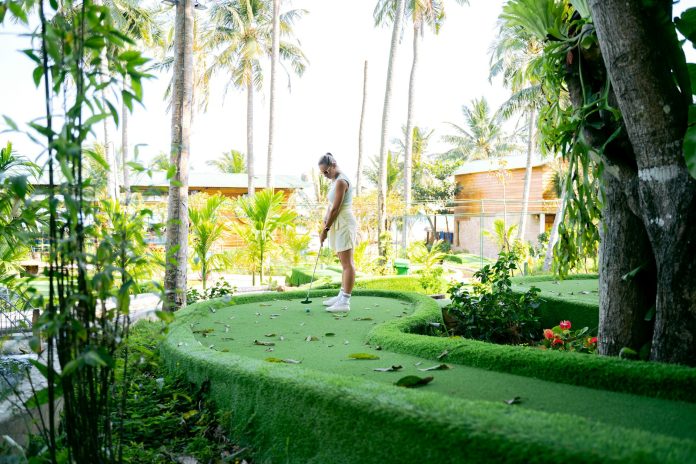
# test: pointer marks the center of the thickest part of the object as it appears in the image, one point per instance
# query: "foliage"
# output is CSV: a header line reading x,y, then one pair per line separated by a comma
x,y
502,236
294,244
493,312
261,216
219,289
231,162
482,136
394,172
86,267
562,338
165,418
430,258
208,226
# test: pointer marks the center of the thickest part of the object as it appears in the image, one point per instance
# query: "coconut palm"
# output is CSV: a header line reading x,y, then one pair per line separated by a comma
x,y
516,55
275,58
382,184
394,172
482,136
361,134
231,162
240,36
261,216
208,226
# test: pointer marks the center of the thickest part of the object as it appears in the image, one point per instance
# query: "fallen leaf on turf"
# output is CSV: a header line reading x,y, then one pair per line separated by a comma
x,y
413,381
282,338
515,400
264,304
204,332
227,338
362,356
439,367
258,314
270,335
312,338
329,334
419,363
211,347
378,348
388,369
263,343
362,319
275,315
442,355
286,361
225,350
346,342
437,325
270,349
585,292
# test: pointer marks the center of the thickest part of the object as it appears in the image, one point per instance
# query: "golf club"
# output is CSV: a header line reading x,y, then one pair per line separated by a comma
x,y
307,300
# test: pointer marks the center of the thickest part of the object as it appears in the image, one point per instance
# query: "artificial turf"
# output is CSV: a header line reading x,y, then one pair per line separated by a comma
x,y
301,335
580,290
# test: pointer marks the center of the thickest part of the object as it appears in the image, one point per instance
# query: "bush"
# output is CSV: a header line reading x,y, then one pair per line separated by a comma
x,y
492,312
563,339
220,289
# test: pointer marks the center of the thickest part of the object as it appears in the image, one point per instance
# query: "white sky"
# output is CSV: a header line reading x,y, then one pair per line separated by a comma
x,y
322,111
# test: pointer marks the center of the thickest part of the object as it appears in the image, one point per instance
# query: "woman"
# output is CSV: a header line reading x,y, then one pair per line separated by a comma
x,y
340,227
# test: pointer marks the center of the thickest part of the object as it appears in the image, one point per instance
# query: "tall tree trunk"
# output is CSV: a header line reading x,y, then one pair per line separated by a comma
x,y
636,51
124,152
382,187
250,138
274,64
177,208
624,247
109,155
527,176
408,154
553,236
361,135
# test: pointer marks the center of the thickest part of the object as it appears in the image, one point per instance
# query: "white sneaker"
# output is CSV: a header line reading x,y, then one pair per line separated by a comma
x,y
332,301
341,306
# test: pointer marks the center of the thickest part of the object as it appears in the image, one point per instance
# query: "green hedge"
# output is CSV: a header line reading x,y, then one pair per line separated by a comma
x,y
290,414
556,309
301,276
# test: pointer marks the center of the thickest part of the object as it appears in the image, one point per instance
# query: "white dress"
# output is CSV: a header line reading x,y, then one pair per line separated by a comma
x,y
343,232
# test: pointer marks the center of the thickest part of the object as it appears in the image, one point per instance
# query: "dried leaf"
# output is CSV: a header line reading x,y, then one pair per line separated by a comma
x,y
329,334
204,332
265,304
393,368
269,335
263,343
362,319
413,381
286,361
515,400
362,356
442,355
282,338
270,349
312,338
437,325
378,348
439,367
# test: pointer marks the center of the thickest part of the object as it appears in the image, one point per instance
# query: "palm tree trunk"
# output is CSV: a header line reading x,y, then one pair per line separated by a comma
x,y
177,208
274,64
361,135
112,174
250,137
527,176
204,273
553,236
124,151
382,190
408,154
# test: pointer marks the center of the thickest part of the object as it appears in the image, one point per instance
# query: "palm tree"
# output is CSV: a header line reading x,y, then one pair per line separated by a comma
x,y
361,131
208,226
241,34
483,136
261,216
394,172
177,208
231,162
516,55
382,185
275,57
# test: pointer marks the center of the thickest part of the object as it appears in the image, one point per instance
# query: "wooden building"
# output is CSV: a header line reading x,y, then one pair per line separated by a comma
x,y
494,189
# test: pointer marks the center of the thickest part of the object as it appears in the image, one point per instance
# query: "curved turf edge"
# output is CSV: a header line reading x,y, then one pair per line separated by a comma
x,y
606,373
291,414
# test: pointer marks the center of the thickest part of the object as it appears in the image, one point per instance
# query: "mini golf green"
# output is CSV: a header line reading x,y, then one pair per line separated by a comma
x,y
580,290
288,330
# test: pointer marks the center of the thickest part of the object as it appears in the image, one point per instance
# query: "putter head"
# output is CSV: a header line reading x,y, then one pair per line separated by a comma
x,y
306,301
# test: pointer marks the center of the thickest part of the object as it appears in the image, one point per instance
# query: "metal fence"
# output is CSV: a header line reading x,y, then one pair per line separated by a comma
x,y
16,312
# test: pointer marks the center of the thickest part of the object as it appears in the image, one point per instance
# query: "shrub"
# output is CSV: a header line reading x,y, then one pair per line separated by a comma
x,y
492,312
562,338
220,289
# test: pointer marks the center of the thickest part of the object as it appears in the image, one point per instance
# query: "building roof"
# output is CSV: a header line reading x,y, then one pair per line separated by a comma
x,y
509,162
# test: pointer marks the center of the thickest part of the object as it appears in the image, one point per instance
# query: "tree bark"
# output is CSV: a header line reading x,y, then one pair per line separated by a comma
x,y
275,51
408,145
361,135
250,137
382,187
177,208
527,175
635,51
553,236
624,247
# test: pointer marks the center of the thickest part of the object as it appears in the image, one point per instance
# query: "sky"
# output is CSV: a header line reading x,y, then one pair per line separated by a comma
x,y
320,111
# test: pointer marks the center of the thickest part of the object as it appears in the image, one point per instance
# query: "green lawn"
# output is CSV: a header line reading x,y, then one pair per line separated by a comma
x,y
581,290
235,329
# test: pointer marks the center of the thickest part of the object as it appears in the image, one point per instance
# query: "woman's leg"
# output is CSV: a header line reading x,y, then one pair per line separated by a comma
x,y
348,278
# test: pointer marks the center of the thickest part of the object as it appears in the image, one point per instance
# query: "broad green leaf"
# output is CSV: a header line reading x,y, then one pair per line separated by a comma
x,y
413,381
686,24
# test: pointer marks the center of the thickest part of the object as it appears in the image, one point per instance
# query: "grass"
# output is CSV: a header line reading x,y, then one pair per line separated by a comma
x,y
235,328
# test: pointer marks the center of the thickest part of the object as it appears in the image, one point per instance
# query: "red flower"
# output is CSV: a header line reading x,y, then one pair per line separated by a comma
x,y
548,334
593,340
565,325
557,341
